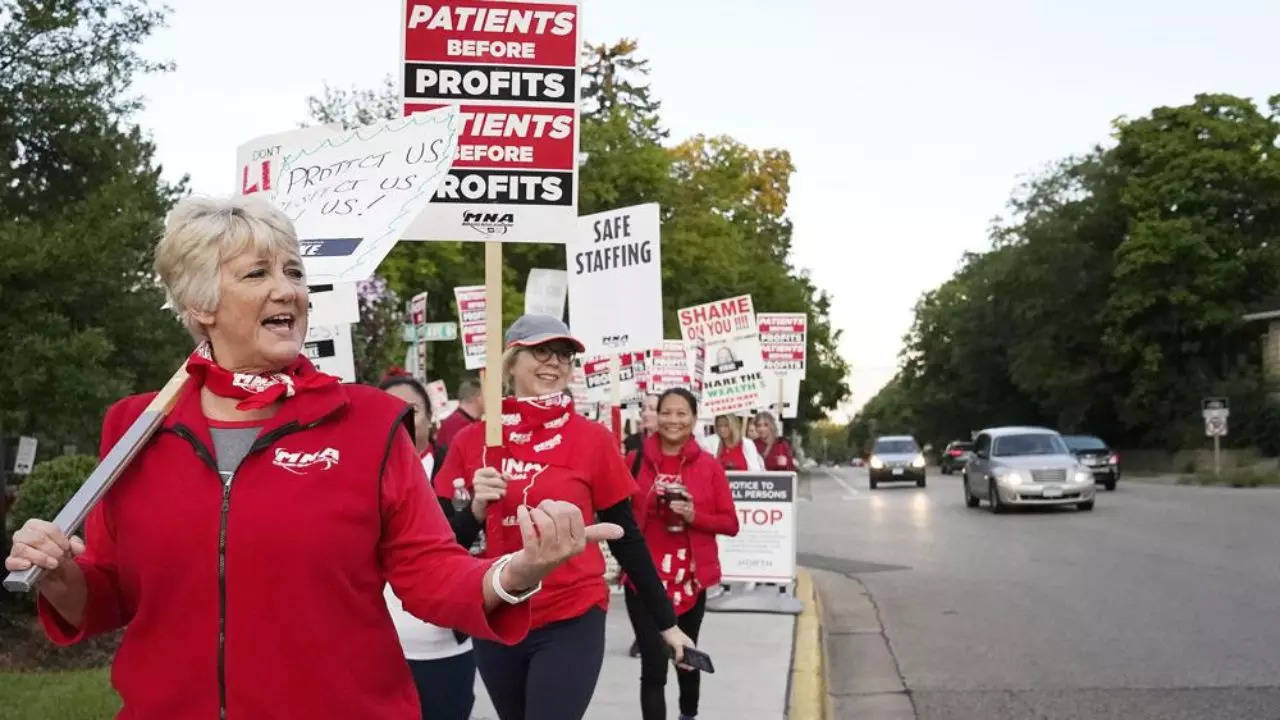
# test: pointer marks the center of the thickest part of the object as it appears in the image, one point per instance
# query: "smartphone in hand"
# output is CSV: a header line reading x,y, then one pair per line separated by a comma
x,y
698,660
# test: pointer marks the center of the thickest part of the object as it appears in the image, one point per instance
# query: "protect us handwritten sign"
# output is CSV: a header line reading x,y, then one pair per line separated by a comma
x,y
352,195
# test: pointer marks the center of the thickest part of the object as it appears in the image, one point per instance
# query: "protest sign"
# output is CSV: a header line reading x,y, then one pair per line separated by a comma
x,y
764,550
471,324
615,280
511,66
26,457
668,367
329,349
544,292
733,373
258,161
352,194
783,340
333,304
631,376
438,396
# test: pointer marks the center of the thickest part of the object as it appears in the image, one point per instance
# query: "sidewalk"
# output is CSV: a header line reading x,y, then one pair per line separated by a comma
x,y
751,652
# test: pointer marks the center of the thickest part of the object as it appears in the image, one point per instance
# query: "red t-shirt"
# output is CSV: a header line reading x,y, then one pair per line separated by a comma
x,y
597,479
451,426
734,458
778,457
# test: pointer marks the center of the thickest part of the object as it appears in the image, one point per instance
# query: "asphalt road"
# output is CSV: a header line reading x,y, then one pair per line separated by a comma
x,y
1164,602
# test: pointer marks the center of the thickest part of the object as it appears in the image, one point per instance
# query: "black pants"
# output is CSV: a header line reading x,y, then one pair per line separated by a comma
x,y
446,687
654,659
551,675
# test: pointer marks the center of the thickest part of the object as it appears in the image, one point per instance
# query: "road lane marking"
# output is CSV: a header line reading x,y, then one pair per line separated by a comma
x,y
853,493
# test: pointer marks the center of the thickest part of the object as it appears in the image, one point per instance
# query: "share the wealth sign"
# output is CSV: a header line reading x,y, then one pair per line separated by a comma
x,y
733,372
511,67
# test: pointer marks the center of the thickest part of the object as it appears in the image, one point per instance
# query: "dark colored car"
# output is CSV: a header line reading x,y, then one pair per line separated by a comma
x,y
896,458
956,456
1097,456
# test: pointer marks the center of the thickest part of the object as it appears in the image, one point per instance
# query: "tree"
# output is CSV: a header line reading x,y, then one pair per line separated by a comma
x,y
1112,301
81,203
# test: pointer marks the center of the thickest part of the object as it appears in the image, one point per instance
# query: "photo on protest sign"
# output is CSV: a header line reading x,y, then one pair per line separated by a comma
x,y
471,324
733,374
615,280
511,67
764,550
544,292
352,194
328,347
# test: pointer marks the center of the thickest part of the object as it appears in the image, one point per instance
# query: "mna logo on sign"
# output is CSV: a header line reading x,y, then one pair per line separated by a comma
x,y
489,223
614,341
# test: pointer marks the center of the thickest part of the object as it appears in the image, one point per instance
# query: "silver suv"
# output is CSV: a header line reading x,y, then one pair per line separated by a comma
x,y
1025,466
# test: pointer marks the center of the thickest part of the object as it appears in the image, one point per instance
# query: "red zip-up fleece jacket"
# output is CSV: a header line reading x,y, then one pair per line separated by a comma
x,y
713,509
263,598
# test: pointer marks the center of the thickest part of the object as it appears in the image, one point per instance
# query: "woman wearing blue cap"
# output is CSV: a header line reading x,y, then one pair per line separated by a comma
x,y
548,451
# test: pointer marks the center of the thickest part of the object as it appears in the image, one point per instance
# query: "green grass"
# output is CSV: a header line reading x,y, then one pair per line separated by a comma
x,y
1238,477
67,695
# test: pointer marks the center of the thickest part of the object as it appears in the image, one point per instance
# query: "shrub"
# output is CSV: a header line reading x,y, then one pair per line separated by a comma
x,y
49,486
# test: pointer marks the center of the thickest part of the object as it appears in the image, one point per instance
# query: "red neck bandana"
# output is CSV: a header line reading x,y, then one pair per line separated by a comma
x,y
533,428
256,390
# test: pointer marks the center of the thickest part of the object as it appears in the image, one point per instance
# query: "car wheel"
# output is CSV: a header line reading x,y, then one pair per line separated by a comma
x,y
1110,485
1085,506
993,498
970,499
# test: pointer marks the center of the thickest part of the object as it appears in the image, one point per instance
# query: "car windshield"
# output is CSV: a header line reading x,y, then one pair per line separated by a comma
x,y
895,447
1029,444
1084,442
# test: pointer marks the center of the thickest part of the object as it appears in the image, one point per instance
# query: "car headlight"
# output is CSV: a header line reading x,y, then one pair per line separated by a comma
x,y
918,462
1009,477
1083,475
876,463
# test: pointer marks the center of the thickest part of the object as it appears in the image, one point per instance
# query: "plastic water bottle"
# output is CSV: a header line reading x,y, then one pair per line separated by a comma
x,y
461,498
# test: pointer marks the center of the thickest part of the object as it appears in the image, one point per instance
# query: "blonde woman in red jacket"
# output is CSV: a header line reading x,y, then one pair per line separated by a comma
x,y
682,503
245,549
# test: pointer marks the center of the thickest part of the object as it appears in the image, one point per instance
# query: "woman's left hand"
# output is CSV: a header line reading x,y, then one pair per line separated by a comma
x,y
683,508
552,532
675,639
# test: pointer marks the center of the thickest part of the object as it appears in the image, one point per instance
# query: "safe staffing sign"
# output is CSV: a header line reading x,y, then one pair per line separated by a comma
x,y
512,68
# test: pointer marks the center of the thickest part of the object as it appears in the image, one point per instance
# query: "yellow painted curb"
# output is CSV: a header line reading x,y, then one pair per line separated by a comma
x,y
808,686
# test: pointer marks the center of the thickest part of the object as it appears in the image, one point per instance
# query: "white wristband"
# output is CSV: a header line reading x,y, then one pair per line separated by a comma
x,y
497,584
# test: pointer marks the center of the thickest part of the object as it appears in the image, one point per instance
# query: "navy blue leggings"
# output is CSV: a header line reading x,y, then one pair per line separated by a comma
x,y
446,687
551,675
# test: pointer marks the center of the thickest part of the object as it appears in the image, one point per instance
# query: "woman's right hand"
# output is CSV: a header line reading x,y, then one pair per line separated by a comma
x,y
488,486
41,543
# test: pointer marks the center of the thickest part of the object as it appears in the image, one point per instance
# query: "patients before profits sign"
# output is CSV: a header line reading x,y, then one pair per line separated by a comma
x,y
732,373
512,70
615,280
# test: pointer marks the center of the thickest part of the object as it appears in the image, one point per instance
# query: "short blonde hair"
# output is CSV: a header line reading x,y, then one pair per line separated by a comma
x,y
200,234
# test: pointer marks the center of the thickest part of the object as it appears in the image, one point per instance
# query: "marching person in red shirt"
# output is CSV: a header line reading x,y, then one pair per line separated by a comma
x,y
732,452
682,502
469,411
550,451
775,449
246,546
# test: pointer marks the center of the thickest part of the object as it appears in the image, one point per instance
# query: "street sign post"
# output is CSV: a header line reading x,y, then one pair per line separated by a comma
x,y
1216,410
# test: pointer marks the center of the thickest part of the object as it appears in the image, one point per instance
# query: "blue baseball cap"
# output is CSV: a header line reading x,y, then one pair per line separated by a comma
x,y
530,330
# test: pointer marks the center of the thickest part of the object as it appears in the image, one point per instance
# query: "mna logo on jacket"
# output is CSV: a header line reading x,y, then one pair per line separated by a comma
x,y
299,463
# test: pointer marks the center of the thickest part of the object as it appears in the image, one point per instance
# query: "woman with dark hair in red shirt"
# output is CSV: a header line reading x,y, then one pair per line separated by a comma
x,y
682,502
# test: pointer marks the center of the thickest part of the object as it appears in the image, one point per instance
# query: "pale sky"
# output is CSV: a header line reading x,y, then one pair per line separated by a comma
x,y
909,123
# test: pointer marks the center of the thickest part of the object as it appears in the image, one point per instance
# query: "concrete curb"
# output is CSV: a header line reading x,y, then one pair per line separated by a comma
x,y
808,690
